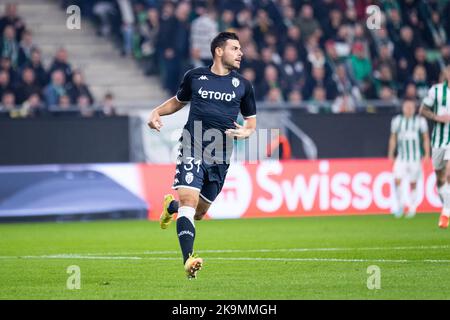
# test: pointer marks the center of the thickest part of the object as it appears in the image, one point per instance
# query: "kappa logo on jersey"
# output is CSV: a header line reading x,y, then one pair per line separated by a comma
x,y
203,78
189,177
216,95
235,82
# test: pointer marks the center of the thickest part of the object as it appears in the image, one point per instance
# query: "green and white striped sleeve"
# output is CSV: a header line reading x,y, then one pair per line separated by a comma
x,y
430,97
395,124
423,125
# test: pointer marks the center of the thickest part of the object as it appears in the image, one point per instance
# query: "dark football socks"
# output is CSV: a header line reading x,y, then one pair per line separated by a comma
x,y
186,231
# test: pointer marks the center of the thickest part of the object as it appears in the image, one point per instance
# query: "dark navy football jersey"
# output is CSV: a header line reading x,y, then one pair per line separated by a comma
x,y
216,102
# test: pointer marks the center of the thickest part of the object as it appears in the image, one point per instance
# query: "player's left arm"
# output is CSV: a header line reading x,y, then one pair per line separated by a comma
x,y
426,145
426,138
248,111
243,132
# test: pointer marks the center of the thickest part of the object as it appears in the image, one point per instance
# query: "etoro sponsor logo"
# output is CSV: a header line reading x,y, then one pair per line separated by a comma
x,y
216,95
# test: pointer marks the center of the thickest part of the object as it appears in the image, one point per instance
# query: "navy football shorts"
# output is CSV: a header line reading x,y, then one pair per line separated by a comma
x,y
208,179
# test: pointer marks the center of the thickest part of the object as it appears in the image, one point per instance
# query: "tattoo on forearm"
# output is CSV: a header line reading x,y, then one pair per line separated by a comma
x,y
428,113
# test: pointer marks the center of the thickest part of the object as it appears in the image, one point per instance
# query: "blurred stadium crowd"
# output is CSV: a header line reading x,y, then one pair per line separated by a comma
x,y
27,87
318,54
296,51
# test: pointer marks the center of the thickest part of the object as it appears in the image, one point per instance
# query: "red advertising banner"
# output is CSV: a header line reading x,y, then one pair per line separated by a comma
x,y
299,188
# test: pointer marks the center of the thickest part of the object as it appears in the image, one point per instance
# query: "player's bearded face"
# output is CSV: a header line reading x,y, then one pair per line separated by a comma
x,y
232,55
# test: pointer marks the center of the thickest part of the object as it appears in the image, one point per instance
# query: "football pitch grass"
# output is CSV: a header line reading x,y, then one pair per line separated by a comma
x,y
284,258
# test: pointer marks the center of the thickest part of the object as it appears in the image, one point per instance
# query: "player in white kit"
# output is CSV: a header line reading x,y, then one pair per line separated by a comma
x,y
436,107
409,135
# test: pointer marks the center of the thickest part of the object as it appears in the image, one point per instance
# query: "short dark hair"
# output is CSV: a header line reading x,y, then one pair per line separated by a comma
x,y
220,39
406,100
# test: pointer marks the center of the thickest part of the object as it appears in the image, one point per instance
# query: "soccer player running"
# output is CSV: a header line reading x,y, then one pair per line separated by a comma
x,y
407,130
435,106
217,94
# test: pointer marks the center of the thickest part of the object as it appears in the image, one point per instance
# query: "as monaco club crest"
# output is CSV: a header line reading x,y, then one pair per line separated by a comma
x,y
235,82
189,177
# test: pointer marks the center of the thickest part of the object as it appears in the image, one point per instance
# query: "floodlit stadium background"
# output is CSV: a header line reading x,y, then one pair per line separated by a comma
x,y
78,80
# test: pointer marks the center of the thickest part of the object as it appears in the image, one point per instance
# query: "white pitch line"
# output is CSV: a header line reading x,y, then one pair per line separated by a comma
x,y
330,260
72,256
278,250
123,256
78,256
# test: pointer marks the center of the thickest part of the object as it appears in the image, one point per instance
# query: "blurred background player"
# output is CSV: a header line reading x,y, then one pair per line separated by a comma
x,y
435,106
217,94
408,130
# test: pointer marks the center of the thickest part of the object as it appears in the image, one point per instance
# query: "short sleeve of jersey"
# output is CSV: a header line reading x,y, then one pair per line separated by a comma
x,y
248,104
394,124
184,93
423,125
430,97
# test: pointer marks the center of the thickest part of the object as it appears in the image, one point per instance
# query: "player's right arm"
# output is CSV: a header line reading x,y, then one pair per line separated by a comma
x,y
429,114
174,104
426,109
392,146
393,138
170,106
